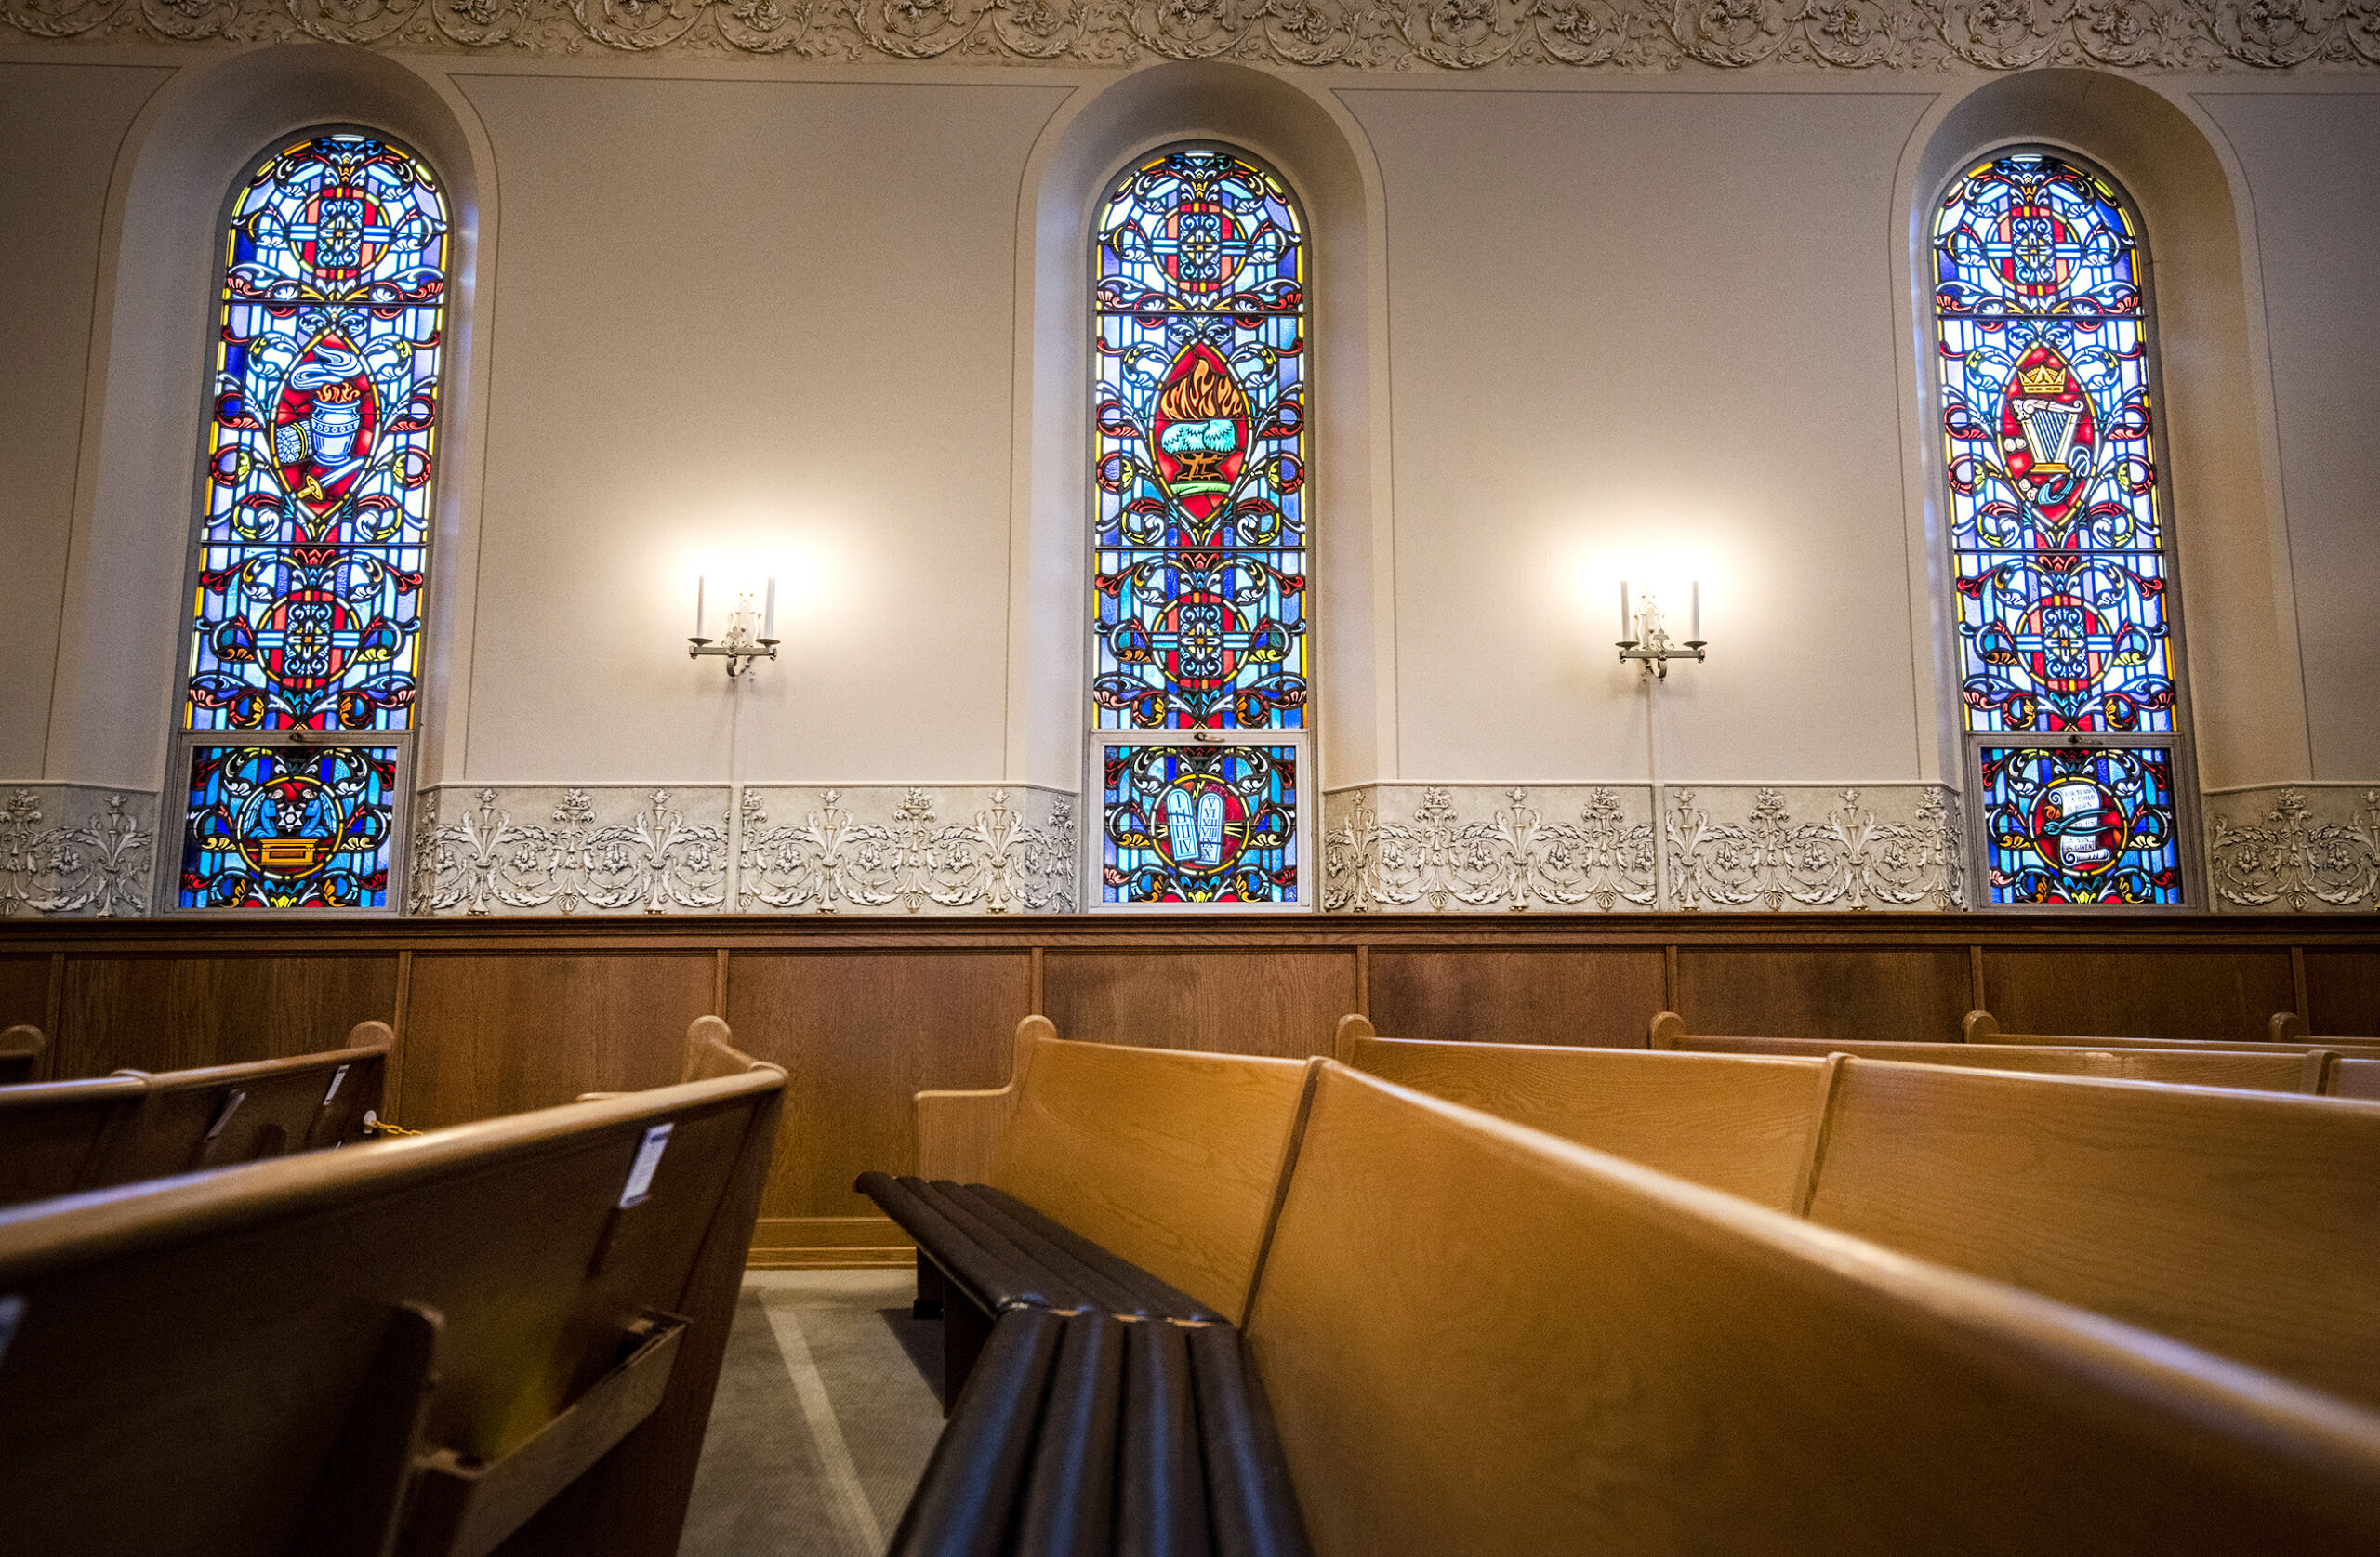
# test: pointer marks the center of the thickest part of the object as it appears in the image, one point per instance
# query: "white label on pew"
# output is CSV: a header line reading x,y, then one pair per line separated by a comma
x,y
231,1106
336,1077
648,1157
12,1308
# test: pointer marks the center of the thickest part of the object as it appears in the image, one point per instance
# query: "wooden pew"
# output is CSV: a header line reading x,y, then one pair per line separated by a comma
x,y
220,1115
2351,1077
1743,1124
711,1053
1167,1157
2286,1031
20,1049
54,1136
1477,1338
509,1325
2261,1069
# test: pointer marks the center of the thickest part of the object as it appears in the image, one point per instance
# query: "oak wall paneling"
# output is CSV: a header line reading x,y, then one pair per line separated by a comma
x,y
168,1013
859,1035
2139,992
510,1031
496,1016
1880,993
1555,995
1282,1000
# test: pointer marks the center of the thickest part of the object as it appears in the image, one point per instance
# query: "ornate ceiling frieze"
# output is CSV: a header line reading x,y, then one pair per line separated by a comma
x,y
1370,34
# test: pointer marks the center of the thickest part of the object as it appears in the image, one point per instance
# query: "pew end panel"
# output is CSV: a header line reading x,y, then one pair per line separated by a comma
x,y
259,1303
1476,1339
1745,1123
1168,1158
1354,1029
958,1132
2237,1222
20,1051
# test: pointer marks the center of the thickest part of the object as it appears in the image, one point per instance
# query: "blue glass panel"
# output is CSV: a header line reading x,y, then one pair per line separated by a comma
x,y
288,827
317,509
2079,824
1200,456
2055,526
1200,824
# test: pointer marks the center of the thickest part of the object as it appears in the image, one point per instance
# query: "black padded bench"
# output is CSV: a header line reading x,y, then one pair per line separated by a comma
x,y
991,1253
1085,1434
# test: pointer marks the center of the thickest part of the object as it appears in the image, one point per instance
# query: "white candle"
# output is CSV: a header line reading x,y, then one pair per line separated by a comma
x,y
699,582
1627,623
1695,632
769,628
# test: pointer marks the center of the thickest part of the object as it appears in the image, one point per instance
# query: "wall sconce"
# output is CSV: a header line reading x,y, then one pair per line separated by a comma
x,y
740,647
1644,640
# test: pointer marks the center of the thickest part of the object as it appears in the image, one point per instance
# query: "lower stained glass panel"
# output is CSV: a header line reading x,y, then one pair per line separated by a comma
x,y
2081,824
1200,824
289,827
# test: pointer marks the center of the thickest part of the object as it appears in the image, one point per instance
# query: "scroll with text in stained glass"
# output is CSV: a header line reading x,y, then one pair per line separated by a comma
x,y
1198,407
2081,824
316,519
286,827
1198,823
2056,531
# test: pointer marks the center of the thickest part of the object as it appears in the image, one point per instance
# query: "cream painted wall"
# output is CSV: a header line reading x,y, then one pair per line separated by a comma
x,y
59,130
714,337
1628,323
1633,328
2313,161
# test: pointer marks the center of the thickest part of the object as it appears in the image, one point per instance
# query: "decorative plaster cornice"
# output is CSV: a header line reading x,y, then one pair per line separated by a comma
x,y
591,850
99,867
2295,850
1847,858
1370,35
930,850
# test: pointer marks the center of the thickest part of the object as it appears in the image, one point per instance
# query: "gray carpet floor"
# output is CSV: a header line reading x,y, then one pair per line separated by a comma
x,y
825,1412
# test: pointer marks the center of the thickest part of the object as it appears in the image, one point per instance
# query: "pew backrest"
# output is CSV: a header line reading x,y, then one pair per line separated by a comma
x,y
711,1052
1477,1338
2241,1223
256,1361
1742,1124
2286,1031
54,1135
20,1049
2355,1078
2261,1069
1168,1158
220,1115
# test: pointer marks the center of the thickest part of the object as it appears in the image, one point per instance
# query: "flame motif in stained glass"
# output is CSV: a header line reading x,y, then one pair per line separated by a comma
x,y
2043,345
1200,466
2078,824
317,504
1200,824
288,827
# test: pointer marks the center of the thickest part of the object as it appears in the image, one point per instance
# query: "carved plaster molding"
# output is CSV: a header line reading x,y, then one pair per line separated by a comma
x,y
1439,847
2295,848
1372,35
592,849
72,852
1890,846
888,850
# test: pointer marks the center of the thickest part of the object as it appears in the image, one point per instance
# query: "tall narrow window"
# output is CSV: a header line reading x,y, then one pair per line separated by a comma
x,y
2058,533
1199,542
314,528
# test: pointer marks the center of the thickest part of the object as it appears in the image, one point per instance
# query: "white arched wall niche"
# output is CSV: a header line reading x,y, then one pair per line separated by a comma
x,y
2242,687
1312,142
113,710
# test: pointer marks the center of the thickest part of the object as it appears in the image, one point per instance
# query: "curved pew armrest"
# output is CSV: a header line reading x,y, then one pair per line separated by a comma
x,y
465,1506
958,1131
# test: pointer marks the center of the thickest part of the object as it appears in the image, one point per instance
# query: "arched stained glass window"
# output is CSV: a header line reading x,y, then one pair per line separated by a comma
x,y
1200,535
314,529
2059,564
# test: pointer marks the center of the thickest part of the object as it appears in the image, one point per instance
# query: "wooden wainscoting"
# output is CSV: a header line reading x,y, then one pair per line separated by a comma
x,y
496,1016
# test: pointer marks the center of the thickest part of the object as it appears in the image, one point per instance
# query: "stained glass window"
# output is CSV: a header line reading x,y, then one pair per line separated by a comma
x,y
314,531
2058,566
1199,544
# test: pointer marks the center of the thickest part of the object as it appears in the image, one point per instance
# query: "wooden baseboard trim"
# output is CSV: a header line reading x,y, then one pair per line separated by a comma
x,y
829,1244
